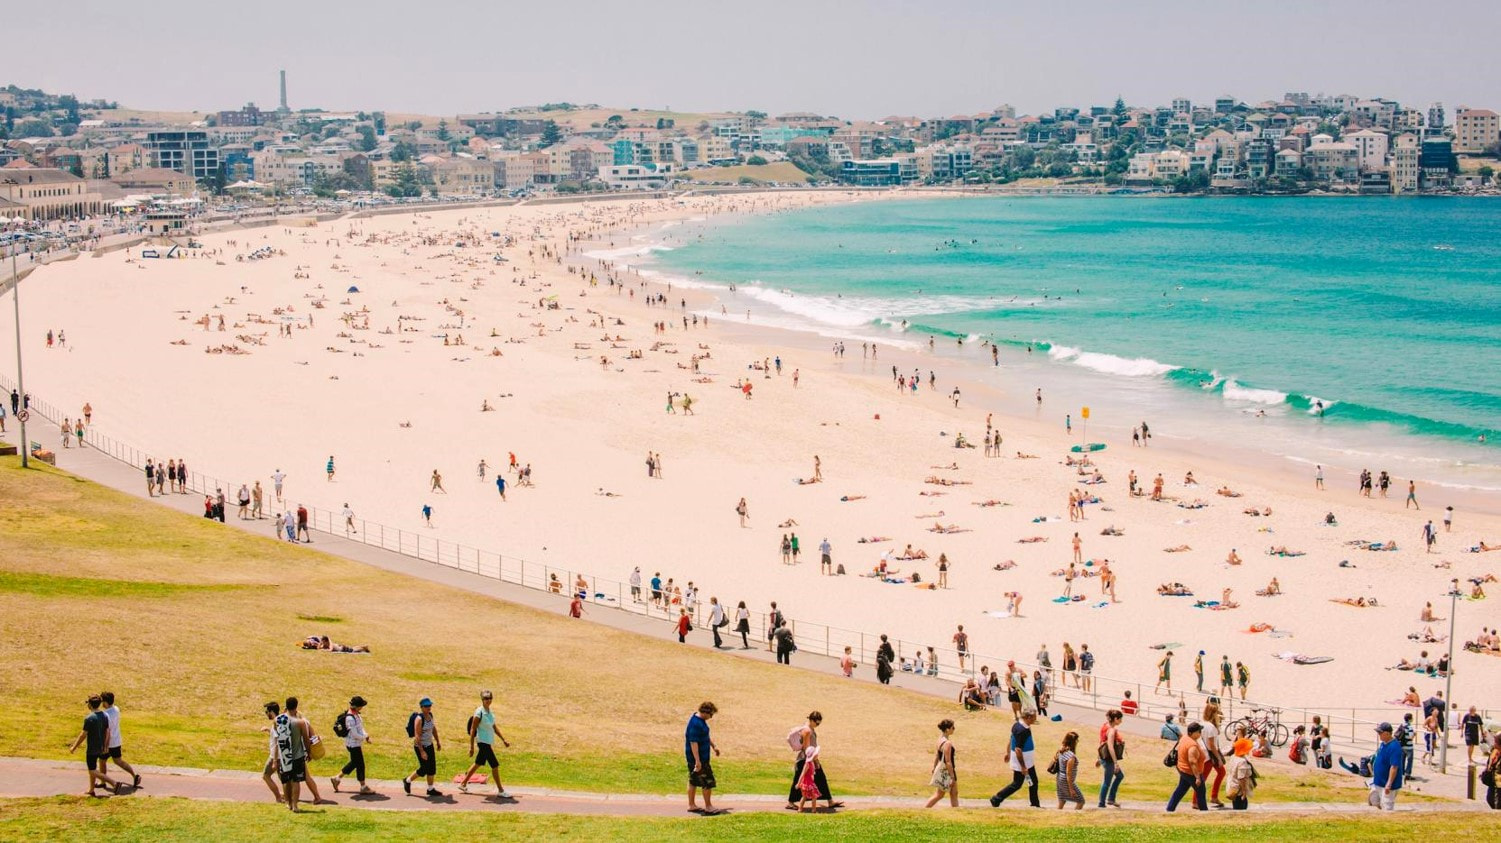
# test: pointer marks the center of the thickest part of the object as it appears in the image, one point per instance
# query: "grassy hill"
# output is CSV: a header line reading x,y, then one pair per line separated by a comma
x,y
194,626
784,172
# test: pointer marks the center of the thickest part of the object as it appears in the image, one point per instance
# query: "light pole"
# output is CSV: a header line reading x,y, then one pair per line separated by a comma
x,y
15,292
1443,750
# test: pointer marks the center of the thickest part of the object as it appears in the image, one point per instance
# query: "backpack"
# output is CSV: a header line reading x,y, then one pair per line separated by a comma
x,y
1172,758
1086,661
412,724
795,738
341,724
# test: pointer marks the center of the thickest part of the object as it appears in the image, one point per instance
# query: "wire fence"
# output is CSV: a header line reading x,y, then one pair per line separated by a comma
x,y
1352,728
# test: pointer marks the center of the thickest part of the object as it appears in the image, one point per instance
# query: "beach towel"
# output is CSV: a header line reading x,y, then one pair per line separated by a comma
x,y
998,613
1171,645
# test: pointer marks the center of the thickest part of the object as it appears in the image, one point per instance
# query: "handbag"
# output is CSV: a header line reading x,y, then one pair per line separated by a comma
x,y
1171,760
315,748
1053,767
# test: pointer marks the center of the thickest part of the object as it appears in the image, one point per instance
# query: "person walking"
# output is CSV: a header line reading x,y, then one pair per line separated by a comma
x,y
684,626
1490,772
330,468
95,740
1165,674
786,646
272,767
743,511
807,737
1190,765
1112,750
1199,672
1020,756
1066,773
961,645
697,748
482,731
1214,756
302,531
1386,770
291,736
885,657
945,778
1412,495
350,726
826,557
742,625
1242,776
423,730
115,748
717,620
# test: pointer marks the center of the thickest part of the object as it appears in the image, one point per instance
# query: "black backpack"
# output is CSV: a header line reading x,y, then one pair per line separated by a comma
x,y
341,725
412,724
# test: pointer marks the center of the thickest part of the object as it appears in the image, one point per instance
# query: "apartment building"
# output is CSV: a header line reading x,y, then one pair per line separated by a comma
x,y
1476,129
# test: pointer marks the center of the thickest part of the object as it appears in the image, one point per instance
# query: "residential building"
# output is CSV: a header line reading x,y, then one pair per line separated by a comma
x,y
293,170
625,176
1476,129
1371,147
1334,162
187,152
42,194
247,116
1436,163
1405,170
463,176
880,172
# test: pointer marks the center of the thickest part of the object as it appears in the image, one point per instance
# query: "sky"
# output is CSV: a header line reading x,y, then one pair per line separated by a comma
x,y
853,59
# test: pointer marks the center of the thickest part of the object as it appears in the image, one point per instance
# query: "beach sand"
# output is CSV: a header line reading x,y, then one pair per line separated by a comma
x,y
393,407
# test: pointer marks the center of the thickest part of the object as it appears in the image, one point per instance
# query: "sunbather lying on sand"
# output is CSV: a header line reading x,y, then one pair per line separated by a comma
x,y
1182,548
321,642
848,498
1357,602
1483,548
909,553
788,523
1021,456
991,502
1198,503
1281,550
1112,531
1225,491
939,481
952,528
874,539
1032,540
1175,589
1003,566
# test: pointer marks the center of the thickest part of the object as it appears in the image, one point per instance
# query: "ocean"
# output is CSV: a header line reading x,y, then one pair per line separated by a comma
x,y
1352,332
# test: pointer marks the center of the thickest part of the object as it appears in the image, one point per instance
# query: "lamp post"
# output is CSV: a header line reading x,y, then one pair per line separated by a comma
x,y
1443,750
15,292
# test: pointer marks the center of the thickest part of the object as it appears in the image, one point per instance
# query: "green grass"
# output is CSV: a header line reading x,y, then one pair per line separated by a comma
x,y
48,585
780,171
150,820
219,614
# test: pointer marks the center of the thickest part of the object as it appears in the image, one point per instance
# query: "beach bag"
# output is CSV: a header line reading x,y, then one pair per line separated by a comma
x,y
341,725
1053,767
315,748
1295,753
1171,759
941,778
795,738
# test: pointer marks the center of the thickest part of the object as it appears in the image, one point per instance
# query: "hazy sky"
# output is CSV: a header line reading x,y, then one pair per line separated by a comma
x,y
855,59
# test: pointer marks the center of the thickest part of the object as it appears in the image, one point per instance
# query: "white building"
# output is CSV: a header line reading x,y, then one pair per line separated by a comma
x,y
1371,147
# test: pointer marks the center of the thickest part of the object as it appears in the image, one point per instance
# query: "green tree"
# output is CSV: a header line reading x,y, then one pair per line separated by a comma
x,y
443,133
403,151
551,134
404,182
756,161
756,115
367,138
1119,110
1486,171
34,127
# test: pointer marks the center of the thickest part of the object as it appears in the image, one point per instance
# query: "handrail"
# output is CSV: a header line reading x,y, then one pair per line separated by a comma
x,y
1344,722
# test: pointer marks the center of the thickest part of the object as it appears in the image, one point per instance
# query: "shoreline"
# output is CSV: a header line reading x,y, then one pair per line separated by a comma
x,y
585,426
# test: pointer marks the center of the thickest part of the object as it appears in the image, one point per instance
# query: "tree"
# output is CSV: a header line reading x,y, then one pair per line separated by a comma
x,y
756,161
551,134
443,133
34,127
1486,171
403,151
367,138
614,121
756,115
1119,110
404,182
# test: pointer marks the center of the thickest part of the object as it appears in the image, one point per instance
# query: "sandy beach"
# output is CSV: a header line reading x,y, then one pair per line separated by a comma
x,y
501,307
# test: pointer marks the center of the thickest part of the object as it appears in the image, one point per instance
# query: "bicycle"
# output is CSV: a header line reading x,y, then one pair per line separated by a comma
x,y
1268,725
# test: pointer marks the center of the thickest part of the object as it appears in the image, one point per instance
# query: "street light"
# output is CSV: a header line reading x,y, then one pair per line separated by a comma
x,y
15,291
1443,750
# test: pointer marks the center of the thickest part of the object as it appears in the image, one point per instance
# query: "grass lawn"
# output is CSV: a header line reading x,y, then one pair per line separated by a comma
x,y
194,626
125,820
778,171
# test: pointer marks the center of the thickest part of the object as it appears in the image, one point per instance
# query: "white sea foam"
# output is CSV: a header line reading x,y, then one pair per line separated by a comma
x,y
1233,391
1139,367
626,252
1313,404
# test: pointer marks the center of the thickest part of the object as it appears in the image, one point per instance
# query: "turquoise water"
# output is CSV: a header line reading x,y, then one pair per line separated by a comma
x,y
1388,310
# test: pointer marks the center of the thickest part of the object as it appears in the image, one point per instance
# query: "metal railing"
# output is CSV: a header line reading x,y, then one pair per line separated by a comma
x,y
1351,727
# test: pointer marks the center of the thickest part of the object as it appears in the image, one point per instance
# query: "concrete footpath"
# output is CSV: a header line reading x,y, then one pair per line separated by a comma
x,y
100,468
25,777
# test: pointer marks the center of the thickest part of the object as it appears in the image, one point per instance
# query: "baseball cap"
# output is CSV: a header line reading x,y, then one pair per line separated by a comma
x,y
426,702
357,702
1384,727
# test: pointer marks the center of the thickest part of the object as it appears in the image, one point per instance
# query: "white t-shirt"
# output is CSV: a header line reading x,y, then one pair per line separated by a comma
x,y
277,478
1210,733
716,613
113,714
357,735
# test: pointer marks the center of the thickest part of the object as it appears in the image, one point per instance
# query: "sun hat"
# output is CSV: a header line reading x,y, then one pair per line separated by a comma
x,y
357,702
426,702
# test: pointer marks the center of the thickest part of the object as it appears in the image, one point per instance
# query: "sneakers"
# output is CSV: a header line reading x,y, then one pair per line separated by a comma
x,y
502,794
464,787
335,782
406,784
994,802
433,791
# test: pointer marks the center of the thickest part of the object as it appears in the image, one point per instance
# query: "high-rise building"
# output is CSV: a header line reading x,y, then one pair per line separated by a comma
x,y
186,152
282,109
